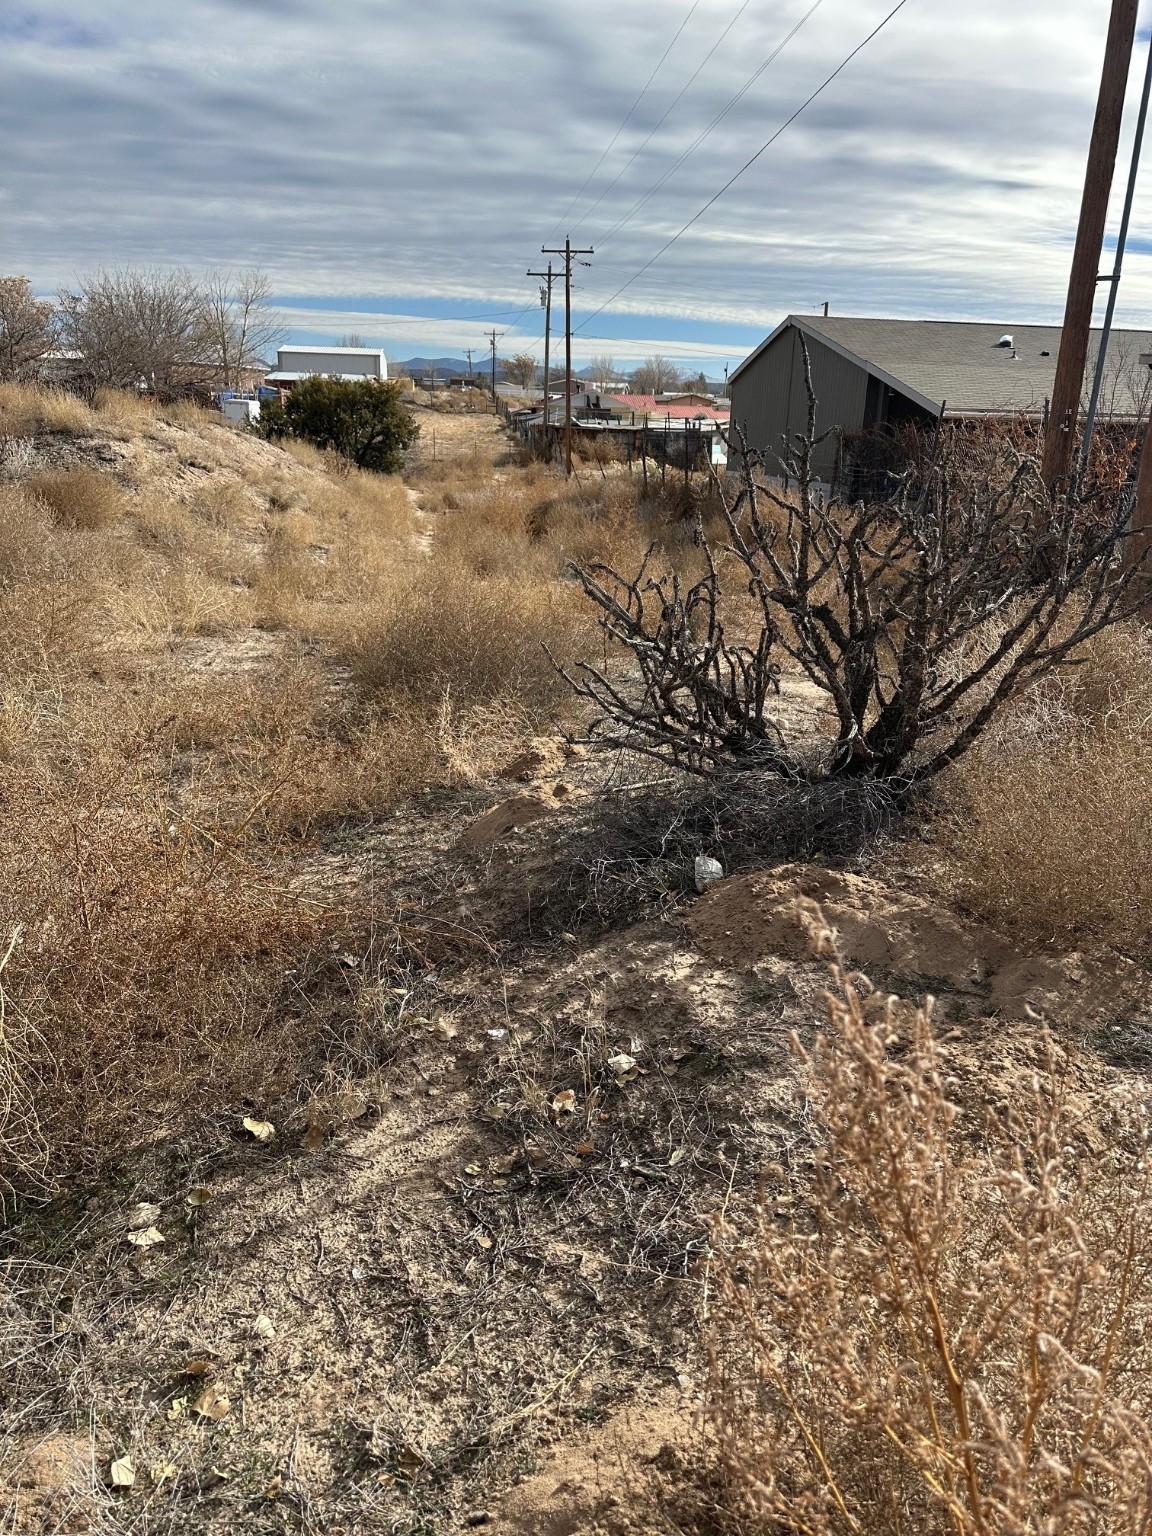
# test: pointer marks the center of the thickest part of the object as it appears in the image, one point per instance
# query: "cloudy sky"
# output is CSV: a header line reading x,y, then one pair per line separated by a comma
x,y
396,167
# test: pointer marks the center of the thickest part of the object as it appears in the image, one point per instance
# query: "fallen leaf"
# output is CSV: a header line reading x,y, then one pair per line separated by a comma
x,y
178,1409
264,1326
676,1157
473,1169
198,1366
585,1148
565,1103
313,1138
212,1404
444,1029
538,1156
621,1063
670,1069
483,1242
507,1163
198,1196
144,1215
162,1471
495,1112
122,1474
274,1488
263,1130
146,1239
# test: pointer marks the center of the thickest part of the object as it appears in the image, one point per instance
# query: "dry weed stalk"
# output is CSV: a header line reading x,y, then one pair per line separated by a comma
x,y
951,1334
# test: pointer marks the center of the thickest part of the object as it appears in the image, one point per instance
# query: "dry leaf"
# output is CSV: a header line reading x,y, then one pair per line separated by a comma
x,y
177,1410
212,1404
263,1130
264,1326
444,1029
198,1196
565,1103
473,1169
670,1069
484,1242
122,1474
144,1215
162,1471
676,1157
585,1148
495,1111
274,1488
198,1366
621,1063
146,1239
313,1138
507,1163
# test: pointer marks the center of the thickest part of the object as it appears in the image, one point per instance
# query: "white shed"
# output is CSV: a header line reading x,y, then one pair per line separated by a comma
x,y
352,363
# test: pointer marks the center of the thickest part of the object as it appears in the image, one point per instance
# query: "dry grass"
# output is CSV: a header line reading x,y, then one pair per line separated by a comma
x,y
1047,830
79,498
947,1330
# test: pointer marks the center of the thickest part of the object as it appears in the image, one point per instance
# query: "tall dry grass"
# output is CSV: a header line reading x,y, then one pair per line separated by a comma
x,y
1046,830
949,1330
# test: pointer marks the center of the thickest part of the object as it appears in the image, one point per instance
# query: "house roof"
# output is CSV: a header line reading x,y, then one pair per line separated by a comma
x,y
958,364
342,351
655,407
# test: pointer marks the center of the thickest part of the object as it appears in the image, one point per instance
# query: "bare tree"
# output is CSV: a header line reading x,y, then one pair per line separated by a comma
x,y
655,376
350,339
602,368
916,617
521,370
135,328
27,329
240,328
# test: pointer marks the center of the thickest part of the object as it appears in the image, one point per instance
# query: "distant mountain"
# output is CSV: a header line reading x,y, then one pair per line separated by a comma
x,y
443,367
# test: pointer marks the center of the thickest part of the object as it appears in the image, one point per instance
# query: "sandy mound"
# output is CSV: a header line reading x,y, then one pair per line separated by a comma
x,y
906,943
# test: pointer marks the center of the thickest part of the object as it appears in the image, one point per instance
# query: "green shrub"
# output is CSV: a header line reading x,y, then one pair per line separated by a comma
x,y
364,421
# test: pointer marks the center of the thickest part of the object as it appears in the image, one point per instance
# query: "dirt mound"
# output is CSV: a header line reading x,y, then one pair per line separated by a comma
x,y
910,945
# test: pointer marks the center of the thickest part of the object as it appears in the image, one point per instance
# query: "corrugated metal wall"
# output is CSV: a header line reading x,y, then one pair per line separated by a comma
x,y
331,362
769,401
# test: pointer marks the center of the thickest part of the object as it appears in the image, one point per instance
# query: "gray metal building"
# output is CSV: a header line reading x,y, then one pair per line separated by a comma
x,y
866,373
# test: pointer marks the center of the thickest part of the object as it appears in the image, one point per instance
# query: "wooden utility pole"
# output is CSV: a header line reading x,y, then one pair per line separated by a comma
x,y
1074,337
567,252
546,297
492,344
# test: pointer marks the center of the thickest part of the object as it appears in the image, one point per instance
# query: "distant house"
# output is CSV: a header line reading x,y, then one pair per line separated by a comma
x,y
349,363
872,374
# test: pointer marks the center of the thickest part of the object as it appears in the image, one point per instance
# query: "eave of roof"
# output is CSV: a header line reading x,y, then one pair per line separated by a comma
x,y
801,324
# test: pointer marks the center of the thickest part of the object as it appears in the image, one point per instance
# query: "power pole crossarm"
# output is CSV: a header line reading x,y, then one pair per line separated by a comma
x,y
567,251
1074,337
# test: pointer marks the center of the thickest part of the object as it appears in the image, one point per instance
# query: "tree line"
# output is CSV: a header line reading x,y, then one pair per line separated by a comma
x,y
654,376
139,328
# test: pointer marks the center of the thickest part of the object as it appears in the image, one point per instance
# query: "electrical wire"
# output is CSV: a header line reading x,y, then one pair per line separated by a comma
x,y
677,99
716,121
628,118
787,123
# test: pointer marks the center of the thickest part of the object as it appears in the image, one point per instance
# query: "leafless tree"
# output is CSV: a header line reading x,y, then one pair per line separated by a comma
x,y
1126,382
350,339
27,329
521,370
240,327
602,368
655,376
135,328
916,617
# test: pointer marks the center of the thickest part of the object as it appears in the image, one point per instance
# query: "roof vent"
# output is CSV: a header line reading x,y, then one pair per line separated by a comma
x,y
1005,341
1045,354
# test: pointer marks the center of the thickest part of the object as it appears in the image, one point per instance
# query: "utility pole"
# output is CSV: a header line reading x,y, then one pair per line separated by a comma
x,y
492,344
546,300
468,355
1082,282
567,252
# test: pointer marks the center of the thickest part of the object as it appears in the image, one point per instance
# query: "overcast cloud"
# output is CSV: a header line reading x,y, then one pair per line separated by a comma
x,y
388,162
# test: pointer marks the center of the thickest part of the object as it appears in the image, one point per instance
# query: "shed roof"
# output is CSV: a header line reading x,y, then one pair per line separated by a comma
x,y
958,364
342,351
679,407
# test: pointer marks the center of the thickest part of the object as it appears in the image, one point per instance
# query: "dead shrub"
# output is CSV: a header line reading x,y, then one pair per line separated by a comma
x,y
79,498
27,409
947,1331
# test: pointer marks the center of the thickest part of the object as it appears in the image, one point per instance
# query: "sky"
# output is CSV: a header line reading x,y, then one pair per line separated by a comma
x,y
395,168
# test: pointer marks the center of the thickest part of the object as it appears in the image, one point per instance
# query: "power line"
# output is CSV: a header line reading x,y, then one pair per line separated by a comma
x,y
628,118
675,103
716,121
787,123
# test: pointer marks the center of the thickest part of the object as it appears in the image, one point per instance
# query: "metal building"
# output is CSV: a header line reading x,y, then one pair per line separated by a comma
x,y
868,373
354,363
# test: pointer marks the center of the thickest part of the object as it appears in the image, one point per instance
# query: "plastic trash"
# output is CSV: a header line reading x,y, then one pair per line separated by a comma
x,y
708,871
